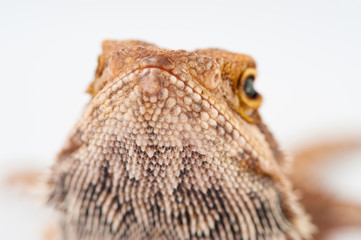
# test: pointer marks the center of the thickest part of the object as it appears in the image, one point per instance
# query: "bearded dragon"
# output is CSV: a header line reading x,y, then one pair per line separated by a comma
x,y
172,146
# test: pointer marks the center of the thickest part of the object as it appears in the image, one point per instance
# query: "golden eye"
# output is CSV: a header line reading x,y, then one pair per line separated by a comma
x,y
249,98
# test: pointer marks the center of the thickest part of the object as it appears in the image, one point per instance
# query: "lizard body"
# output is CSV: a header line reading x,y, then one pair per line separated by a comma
x,y
171,146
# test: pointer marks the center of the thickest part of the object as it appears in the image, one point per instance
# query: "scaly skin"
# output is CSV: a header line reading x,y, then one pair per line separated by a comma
x,y
167,149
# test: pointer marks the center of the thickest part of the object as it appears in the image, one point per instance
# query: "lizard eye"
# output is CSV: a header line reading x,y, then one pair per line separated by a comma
x,y
249,98
249,88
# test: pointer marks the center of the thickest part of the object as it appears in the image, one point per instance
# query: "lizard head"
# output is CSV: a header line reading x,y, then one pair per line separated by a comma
x,y
185,126
189,95
227,76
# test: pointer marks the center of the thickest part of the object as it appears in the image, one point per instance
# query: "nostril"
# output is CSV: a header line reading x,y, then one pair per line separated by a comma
x,y
212,79
150,81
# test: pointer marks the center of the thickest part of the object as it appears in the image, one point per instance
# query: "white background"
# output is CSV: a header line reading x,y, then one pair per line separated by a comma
x,y
308,55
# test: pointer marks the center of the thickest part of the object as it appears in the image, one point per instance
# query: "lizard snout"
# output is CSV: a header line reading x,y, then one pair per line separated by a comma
x,y
150,81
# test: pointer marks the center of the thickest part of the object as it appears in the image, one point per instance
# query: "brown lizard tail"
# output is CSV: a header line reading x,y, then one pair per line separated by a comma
x,y
328,213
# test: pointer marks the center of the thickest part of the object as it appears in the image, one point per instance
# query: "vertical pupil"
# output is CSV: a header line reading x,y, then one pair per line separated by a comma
x,y
248,87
